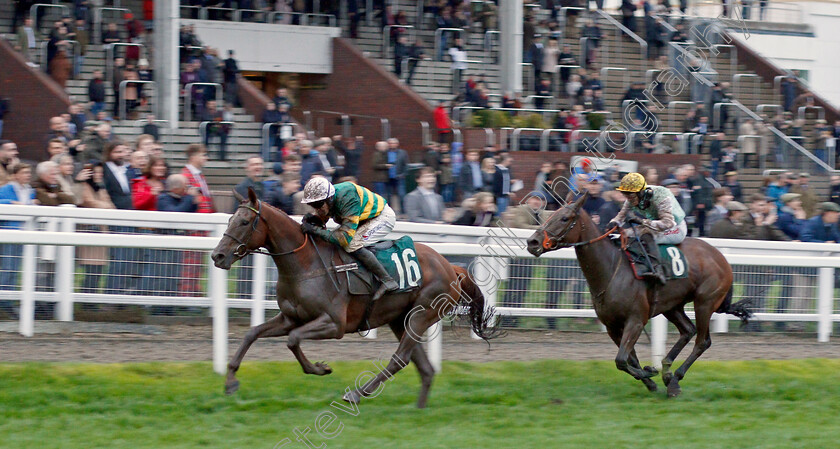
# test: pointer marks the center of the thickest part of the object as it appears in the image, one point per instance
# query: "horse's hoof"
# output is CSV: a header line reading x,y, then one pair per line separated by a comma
x,y
651,385
323,369
231,387
674,389
352,397
651,370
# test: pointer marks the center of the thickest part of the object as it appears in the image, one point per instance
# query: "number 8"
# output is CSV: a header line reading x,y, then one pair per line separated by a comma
x,y
677,265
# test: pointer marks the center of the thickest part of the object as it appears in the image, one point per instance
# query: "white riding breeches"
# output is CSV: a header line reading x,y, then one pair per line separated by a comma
x,y
671,236
374,230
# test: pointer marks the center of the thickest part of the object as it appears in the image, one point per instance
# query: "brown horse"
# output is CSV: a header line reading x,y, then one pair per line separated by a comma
x,y
625,304
315,303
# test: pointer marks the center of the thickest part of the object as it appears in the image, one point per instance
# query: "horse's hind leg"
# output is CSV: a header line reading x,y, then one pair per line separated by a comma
x,y
276,327
687,331
704,341
321,328
418,323
421,361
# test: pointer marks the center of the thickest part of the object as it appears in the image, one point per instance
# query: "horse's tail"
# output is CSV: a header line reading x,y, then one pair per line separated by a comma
x,y
740,309
481,317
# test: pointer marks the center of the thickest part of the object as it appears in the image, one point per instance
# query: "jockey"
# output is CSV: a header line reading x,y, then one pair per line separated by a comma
x,y
364,218
663,218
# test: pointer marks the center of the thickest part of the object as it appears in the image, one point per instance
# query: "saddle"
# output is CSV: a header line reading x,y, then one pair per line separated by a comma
x,y
397,256
672,258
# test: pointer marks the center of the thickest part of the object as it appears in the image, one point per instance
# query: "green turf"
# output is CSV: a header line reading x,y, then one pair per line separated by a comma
x,y
544,404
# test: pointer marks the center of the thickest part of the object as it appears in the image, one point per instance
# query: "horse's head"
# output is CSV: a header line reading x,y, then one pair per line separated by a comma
x,y
246,232
558,229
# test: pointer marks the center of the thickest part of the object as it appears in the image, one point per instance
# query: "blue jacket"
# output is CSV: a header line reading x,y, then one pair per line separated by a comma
x,y
776,191
815,230
170,203
790,225
7,195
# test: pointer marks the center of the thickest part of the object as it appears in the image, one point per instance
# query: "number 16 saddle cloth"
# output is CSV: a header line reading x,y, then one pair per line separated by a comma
x,y
399,257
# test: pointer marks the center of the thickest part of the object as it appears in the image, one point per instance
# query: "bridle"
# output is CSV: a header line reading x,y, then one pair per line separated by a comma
x,y
552,241
242,250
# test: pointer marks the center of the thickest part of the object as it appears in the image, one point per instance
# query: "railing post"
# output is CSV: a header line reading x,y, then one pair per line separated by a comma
x,y
386,128
825,303
658,337
720,323
258,289
434,345
64,271
27,297
217,291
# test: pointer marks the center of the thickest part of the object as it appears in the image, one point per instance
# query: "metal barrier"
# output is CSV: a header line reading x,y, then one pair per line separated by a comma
x,y
188,93
736,84
33,10
622,29
386,128
583,52
237,15
109,56
76,54
205,12
530,99
195,9
97,21
672,106
386,37
286,18
657,139
760,108
202,128
438,37
514,137
166,129
801,112
631,146
716,113
489,137
488,43
606,71
456,112
456,135
733,55
308,19
546,134
531,80
425,135
122,87
556,76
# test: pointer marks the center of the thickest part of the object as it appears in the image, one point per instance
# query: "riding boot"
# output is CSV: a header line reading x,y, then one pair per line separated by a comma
x,y
370,262
657,272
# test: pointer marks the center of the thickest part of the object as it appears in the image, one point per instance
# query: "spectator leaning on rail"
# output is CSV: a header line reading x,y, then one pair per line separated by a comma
x,y
823,227
93,259
721,197
478,210
16,191
364,217
732,225
662,219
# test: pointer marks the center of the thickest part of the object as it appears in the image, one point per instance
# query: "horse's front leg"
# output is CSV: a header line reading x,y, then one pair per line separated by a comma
x,y
321,328
276,327
632,330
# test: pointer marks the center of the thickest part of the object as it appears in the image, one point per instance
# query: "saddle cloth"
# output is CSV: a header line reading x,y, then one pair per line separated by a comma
x,y
672,258
399,257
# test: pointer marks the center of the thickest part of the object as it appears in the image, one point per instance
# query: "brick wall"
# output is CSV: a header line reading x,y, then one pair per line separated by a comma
x,y
34,98
367,92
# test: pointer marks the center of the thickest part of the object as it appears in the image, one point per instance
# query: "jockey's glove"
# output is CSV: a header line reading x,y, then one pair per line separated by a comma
x,y
613,224
313,220
309,228
636,220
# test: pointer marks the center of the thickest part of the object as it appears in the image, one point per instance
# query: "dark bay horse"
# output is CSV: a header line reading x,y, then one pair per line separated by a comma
x,y
315,303
625,304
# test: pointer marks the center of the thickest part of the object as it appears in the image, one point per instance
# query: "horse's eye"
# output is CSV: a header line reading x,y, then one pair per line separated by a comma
x,y
564,219
243,222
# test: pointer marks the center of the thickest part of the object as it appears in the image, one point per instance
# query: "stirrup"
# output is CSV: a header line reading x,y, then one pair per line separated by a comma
x,y
386,287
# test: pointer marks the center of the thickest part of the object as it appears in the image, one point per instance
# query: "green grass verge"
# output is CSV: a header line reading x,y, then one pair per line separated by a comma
x,y
543,404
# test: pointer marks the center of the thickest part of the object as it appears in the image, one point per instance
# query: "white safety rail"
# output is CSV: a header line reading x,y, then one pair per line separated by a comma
x,y
491,253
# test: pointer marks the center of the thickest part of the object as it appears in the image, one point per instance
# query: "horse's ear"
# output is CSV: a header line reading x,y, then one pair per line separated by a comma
x,y
238,196
570,197
252,196
581,200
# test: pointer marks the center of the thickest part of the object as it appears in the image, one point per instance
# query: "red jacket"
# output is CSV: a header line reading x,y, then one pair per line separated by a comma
x,y
148,10
442,122
205,206
141,193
